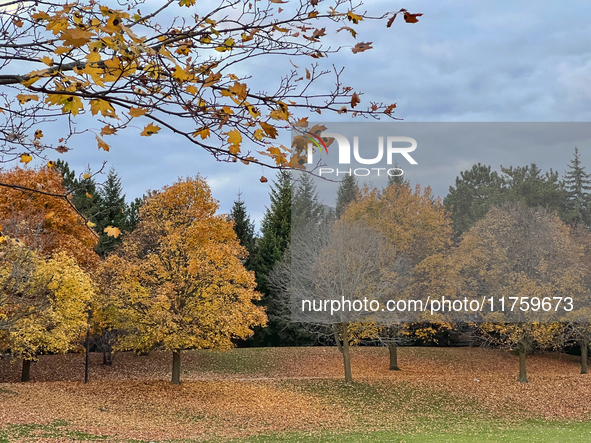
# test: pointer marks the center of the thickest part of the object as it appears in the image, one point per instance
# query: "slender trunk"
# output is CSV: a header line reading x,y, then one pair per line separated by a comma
x,y
522,372
86,360
26,373
341,334
176,367
107,358
584,355
393,357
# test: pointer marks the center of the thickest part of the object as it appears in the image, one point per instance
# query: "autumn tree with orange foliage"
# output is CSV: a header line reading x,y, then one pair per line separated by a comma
x,y
418,227
177,281
43,221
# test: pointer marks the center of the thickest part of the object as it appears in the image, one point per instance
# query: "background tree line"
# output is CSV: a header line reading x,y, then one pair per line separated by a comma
x,y
139,264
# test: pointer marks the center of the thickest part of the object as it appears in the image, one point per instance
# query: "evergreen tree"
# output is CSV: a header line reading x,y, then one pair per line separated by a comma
x,y
397,179
528,185
475,192
85,195
577,184
347,192
112,212
274,240
305,206
132,213
244,228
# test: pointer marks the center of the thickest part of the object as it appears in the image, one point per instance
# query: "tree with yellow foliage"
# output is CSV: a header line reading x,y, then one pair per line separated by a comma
x,y
43,303
177,281
527,254
418,226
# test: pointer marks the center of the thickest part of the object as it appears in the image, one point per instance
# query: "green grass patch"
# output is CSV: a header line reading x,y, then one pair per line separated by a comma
x,y
236,361
530,432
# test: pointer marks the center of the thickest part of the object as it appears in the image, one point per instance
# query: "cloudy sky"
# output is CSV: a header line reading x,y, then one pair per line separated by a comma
x,y
465,61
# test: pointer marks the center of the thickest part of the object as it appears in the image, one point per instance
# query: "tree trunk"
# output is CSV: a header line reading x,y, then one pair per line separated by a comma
x,y
522,372
26,373
584,355
343,345
176,367
393,357
107,358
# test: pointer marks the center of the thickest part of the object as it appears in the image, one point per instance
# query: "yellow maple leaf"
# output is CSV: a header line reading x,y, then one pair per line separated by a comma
x,y
355,18
57,25
90,224
30,80
38,134
239,89
61,50
112,231
192,89
150,130
102,106
136,112
50,164
25,158
203,133
72,104
258,134
48,61
234,137
75,37
86,176
101,143
24,98
88,195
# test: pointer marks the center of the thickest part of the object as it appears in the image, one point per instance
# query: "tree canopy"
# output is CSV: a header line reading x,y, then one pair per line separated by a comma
x,y
178,66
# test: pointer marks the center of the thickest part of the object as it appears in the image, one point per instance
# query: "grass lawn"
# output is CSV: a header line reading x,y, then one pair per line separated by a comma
x,y
297,395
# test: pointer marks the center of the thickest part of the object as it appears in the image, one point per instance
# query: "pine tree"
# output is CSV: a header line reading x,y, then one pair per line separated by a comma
x,y
244,229
347,192
475,192
577,184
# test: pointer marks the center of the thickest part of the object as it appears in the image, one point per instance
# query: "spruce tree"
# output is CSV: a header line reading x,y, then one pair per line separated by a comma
x,y
577,184
275,229
112,212
305,205
347,192
274,240
244,228
85,194
397,179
